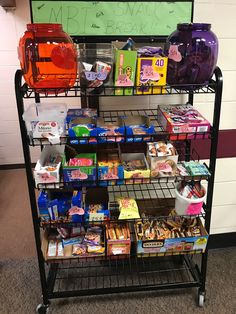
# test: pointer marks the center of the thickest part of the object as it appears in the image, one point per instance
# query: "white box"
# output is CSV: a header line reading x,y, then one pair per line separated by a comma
x,y
44,174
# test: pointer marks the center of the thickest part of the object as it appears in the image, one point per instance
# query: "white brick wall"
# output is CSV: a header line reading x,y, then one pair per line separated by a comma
x,y
221,14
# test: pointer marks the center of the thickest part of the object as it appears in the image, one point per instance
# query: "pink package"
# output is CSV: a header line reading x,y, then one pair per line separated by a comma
x,y
183,119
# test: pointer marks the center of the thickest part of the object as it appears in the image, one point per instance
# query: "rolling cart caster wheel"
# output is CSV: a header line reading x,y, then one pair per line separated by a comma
x,y
201,299
42,309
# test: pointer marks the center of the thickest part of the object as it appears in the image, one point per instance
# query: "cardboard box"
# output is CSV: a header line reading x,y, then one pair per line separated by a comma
x,y
118,246
83,127
138,125
110,167
151,71
79,174
125,69
137,175
48,174
67,251
80,113
181,120
97,196
159,165
173,245
110,132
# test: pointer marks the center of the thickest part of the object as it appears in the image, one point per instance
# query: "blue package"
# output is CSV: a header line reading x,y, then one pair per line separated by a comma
x,y
110,132
80,113
72,241
43,206
138,125
82,127
53,209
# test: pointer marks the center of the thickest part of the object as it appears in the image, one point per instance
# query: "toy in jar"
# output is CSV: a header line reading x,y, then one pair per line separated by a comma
x,y
48,57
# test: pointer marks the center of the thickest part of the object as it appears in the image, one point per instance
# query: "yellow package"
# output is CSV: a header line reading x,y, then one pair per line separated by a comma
x,y
151,71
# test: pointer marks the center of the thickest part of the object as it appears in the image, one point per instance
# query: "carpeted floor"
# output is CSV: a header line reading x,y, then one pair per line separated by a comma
x,y
19,278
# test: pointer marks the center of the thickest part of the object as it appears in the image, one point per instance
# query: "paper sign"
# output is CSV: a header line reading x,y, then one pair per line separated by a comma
x,y
108,18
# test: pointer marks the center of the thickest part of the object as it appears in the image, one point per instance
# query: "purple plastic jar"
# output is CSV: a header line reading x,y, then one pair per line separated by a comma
x,y
192,50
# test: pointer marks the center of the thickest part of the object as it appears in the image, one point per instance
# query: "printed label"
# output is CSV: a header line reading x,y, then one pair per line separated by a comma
x,y
92,76
96,216
46,127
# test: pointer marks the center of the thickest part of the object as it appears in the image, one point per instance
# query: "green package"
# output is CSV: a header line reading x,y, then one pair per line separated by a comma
x,y
125,69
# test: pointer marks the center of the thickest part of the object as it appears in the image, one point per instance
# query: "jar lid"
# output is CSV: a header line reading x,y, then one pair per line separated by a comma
x,y
194,27
44,27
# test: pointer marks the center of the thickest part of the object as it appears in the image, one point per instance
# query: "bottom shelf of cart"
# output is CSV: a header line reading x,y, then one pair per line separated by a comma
x,y
108,276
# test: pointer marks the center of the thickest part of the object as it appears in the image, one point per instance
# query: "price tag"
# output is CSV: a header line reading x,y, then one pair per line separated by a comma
x,y
96,216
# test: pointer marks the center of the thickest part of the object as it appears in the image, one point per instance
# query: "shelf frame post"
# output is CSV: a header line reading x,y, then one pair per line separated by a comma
x,y
30,181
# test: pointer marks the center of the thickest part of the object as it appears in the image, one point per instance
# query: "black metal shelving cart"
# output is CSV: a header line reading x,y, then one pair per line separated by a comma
x,y
106,275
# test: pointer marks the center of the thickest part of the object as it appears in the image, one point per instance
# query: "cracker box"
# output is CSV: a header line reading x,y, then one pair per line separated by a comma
x,y
151,71
110,132
138,125
82,131
180,120
118,239
162,158
80,113
178,245
125,69
136,168
47,169
110,169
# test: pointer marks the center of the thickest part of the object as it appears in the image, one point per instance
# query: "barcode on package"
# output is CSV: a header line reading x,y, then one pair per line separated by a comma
x,y
202,128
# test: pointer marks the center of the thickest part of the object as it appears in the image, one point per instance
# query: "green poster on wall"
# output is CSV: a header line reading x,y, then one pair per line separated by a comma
x,y
108,18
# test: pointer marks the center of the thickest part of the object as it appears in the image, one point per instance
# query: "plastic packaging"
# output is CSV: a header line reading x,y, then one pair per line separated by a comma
x,y
48,57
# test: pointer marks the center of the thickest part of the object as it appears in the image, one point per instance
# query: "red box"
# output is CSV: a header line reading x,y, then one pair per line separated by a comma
x,y
184,119
117,246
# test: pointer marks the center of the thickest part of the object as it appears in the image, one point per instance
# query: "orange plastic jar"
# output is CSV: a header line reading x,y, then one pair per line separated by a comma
x,y
48,57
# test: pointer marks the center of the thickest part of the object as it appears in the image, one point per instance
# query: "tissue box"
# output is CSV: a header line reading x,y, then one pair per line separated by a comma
x,y
110,132
151,71
47,169
183,119
138,125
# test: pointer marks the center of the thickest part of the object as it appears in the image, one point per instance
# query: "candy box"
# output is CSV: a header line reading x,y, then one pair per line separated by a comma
x,y
162,158
151,71
177,245
82,127
79,168
118,239
110,132
110,169
80,113
137,127
183,119
125,68
47,169
97,204
136,168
